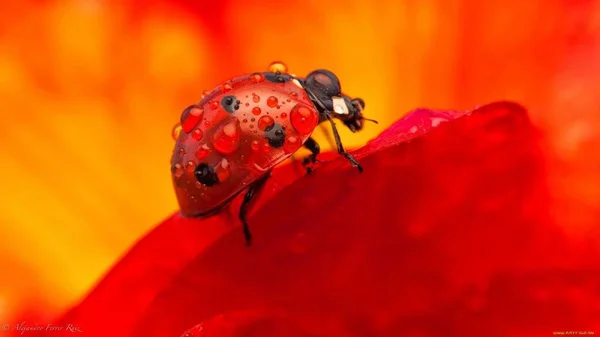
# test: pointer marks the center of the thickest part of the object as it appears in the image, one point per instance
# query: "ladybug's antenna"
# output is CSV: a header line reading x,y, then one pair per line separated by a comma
x,y
370,120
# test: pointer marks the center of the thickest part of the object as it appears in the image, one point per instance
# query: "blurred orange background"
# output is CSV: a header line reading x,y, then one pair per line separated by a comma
x,y
90,90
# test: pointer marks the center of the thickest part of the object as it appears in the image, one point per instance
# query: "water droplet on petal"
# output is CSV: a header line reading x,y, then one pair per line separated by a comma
x,y
191,117
197,134
278,67
265,122
226,139
177,170
176,131
272,101
304,119
257,77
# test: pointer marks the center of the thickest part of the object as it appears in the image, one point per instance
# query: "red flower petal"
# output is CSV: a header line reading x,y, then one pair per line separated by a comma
x,y
447,234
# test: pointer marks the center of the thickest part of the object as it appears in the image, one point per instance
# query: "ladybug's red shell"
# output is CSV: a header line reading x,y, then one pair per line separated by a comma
x,y
237,133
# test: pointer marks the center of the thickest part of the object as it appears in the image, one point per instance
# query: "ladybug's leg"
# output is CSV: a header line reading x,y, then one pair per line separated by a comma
x,y
252,192
315,149
340,147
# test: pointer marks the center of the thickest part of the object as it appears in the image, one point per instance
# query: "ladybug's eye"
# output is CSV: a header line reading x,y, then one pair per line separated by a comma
x,y
324,81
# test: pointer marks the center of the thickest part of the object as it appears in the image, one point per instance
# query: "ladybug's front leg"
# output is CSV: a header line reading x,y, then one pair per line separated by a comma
x,y
315,149
340,147
251,194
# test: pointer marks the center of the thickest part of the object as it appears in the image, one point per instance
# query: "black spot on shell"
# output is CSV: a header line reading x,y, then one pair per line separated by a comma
x,y
275,134
230,103
206,174
277,77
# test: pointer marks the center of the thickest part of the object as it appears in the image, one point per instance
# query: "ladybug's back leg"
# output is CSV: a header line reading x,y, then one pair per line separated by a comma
x,y
250,195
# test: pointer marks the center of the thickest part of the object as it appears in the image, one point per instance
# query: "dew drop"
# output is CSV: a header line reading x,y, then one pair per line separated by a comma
x,y
288,100
255,98
177,170
223,170
255,145
202,152
198,184
256,110
283,115
197,134
181,151
292,143
244,121
272,101
205,93
251,126
213,105
226,139
252,119
226,87
247,104
278,106
293,95
304,119
265,122
191,117
278,67
257,77
176,131
190,166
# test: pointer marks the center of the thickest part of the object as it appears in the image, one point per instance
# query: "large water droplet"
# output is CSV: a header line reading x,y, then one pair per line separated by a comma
x,y
272,101
191,117
304,119
226,139
278,67
265,122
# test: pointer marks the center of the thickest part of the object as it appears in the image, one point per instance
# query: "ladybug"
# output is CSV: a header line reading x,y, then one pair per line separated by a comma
x,y
232,139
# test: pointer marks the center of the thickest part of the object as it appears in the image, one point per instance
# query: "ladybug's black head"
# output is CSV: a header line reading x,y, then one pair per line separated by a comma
x,y
326,93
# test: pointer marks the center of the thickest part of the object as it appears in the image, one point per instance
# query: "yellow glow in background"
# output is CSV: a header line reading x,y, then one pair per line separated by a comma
x,y
89,91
